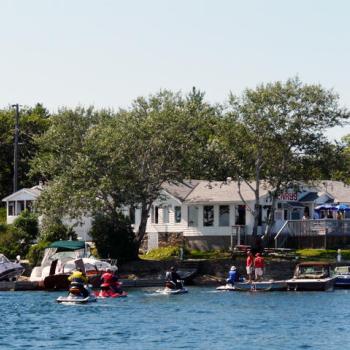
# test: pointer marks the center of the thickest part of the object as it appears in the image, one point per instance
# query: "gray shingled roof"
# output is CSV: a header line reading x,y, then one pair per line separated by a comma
x,y
337,189
180,190
221,192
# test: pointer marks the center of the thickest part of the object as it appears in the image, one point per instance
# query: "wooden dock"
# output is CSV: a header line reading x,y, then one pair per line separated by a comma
x,y
18,286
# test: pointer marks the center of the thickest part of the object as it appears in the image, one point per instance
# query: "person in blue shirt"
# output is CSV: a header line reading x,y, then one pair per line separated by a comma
x,y
232,276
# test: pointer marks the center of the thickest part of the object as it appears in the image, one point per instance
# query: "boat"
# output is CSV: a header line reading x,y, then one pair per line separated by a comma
x,y
9,270
342,277
262,286
75,297
312,276
61,258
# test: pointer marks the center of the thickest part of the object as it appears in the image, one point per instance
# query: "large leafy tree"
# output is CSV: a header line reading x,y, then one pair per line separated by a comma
x,y
282,133
105,163
32,122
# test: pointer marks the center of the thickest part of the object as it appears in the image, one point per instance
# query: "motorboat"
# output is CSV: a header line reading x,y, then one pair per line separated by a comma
x,y
9,270
261,286
61,258
342,277
312,276
76,297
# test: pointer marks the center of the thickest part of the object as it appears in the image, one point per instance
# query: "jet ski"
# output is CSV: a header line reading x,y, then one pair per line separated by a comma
x,y
107,291
227,287
170,288
75,295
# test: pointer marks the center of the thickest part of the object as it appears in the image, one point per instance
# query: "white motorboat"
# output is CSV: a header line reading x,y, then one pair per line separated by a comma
x,y
312,276
262,286
9,270
61,258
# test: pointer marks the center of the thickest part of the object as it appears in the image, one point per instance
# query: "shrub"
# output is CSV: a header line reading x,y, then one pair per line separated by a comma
x,y
36,252
114,237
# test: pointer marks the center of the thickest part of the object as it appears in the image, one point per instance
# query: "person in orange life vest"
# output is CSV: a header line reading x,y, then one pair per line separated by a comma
x,y
249,265
259,266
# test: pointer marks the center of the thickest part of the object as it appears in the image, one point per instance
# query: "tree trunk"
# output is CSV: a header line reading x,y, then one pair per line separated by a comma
x,y
143,225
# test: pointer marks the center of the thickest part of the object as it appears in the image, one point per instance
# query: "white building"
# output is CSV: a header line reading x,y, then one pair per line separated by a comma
x,y
205,214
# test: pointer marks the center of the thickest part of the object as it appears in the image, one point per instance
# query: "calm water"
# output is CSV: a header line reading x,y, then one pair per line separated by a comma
x,y
202,319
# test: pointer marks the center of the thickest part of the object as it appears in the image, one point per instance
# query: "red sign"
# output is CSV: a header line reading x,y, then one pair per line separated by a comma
x,y
288,196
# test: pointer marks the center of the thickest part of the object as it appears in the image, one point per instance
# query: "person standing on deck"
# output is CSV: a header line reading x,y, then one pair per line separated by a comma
x,y
259,267
249,265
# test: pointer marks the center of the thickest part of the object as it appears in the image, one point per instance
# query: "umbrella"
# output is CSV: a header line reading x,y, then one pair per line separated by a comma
x,y
326,207
344,207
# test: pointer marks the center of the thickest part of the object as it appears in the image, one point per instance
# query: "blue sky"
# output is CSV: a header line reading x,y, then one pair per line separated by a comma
x,y
108,52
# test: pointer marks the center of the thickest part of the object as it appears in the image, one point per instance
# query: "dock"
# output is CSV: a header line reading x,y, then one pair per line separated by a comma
x,y
19,286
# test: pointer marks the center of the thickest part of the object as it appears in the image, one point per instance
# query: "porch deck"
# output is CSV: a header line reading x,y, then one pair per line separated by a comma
x,y
323,233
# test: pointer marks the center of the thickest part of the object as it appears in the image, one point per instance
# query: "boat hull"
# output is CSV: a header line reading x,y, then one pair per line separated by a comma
x,y
11,273
342,281
326,284
255,286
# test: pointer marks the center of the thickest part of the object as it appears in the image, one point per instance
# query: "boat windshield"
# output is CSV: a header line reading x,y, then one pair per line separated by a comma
x,y
342,270
3,259
316,271
52,254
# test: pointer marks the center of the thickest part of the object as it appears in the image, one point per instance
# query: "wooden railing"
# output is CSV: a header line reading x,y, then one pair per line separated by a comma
x,y
312,228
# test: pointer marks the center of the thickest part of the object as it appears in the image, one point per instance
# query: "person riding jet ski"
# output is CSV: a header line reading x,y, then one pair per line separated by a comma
x,y
110,280
78,278
232,276
173,279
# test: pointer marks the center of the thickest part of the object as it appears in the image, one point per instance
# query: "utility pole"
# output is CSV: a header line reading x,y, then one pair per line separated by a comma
x,y
15,152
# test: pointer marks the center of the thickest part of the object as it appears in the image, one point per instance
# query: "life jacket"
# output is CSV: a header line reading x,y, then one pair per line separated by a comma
x,y
78,277
107,277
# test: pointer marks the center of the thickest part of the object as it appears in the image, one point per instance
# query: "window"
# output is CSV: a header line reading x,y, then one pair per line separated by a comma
x,y
29,205
165,214
208,215
224,215
192,215
20,206
132,215
177,215
11,208
154,214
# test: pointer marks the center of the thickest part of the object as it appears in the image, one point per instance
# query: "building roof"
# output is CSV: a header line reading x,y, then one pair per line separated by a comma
x,y
310,197
180,190
337,189
221,192
33,192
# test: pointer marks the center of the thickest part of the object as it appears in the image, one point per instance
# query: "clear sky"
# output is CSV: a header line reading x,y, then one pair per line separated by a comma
x,y
108,52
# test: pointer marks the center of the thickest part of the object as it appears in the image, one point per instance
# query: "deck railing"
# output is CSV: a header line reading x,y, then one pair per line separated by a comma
x,y
312,228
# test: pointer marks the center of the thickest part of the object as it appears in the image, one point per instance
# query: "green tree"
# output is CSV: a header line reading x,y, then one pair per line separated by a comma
x,y
17,238
114,237
283,129
33,122
122,159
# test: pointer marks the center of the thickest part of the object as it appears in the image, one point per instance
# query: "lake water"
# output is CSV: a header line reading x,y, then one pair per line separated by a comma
x,y
201,319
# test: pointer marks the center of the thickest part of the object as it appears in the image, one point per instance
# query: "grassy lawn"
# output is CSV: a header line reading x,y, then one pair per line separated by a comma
x,y
322,254
168,253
